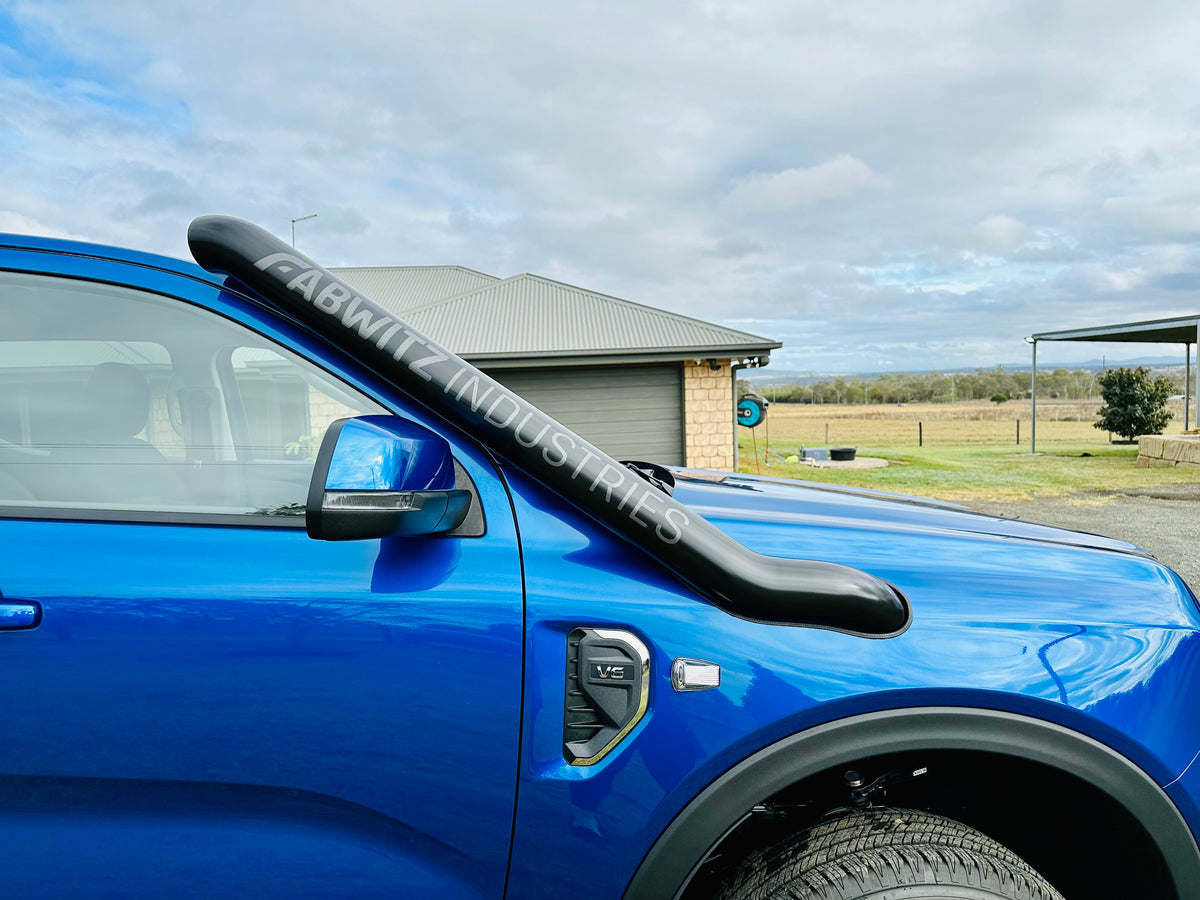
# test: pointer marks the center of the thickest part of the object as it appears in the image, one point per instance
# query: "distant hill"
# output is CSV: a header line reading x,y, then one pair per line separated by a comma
x,y
790,376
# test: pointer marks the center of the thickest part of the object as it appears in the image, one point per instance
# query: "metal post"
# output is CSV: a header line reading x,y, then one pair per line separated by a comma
x,y
1033,398
1197,418
300,219
733,372
1187,383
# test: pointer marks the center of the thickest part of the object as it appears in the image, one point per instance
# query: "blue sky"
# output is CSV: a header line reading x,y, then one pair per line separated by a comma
x,y
879,185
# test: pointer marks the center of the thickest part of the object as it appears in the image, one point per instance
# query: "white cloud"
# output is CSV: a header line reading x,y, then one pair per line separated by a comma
x,y
1124,280
1171,217
17,223
891,164
998,234
775,192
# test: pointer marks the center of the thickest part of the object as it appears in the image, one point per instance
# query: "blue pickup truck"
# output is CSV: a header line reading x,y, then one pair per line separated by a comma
x,y
294,602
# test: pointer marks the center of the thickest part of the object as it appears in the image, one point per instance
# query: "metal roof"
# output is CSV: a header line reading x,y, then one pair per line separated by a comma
x,y
531,320
1182,330
1179,330
400,288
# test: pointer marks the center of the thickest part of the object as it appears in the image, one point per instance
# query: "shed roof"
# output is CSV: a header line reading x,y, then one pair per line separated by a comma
x,y
1181,330
531,320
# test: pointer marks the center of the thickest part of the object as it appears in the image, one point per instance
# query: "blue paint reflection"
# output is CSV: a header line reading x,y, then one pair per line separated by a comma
x,y
1077,635
387,453
251,656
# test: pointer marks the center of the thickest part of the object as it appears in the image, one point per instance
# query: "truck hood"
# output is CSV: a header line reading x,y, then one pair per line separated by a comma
x,y
734,502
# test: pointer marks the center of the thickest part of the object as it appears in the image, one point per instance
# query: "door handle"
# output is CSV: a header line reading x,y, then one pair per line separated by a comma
x,y
19,615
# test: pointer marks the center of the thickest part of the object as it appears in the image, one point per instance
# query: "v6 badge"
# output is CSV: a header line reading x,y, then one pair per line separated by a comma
x,y
607,691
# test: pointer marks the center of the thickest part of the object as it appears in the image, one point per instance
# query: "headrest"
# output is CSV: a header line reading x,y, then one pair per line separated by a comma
x,y
118,401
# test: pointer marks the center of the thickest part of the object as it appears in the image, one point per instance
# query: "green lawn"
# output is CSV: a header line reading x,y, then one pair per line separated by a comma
x,y
970,457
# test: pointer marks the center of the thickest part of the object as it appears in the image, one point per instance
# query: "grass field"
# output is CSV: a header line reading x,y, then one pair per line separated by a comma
x,y
962,451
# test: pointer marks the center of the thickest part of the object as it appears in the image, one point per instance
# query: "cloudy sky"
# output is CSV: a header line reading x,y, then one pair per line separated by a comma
x,y
879,185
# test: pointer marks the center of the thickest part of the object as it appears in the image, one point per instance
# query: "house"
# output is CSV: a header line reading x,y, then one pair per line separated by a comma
x,y
638,382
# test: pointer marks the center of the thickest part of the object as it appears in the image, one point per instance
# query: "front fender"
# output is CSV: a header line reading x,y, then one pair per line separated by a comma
x,y
681,848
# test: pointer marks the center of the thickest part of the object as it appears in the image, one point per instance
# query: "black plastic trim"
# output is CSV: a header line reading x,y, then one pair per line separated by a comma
x,y
152,517
321,524
682,847
320,477
474,525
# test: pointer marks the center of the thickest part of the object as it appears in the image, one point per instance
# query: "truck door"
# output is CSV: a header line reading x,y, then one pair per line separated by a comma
x,y
199,700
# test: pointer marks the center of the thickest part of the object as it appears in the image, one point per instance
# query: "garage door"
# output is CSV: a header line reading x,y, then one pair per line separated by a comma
x,y
631,412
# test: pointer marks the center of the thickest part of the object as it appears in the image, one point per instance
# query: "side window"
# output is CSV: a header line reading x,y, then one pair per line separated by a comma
x,y
286,415
117,399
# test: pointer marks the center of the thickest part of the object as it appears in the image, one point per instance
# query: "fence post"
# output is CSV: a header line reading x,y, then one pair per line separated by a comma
x,y
1018,431
920,434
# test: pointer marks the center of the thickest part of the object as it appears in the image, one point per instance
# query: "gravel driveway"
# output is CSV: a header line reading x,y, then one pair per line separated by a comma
x,y
1164,520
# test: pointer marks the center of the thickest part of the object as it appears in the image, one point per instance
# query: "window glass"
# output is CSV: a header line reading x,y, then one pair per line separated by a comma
x,y
112,398
286,416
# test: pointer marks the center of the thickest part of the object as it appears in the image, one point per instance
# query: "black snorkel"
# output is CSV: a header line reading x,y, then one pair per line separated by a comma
x,y
733,577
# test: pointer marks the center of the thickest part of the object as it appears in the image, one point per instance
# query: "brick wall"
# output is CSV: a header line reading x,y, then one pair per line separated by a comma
x,y
708,410
322,410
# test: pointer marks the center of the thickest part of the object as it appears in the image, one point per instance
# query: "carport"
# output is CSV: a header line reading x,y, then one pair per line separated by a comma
x,y
1184,330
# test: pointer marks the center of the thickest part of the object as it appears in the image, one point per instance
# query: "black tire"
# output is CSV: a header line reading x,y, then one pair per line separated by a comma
x,y
888,854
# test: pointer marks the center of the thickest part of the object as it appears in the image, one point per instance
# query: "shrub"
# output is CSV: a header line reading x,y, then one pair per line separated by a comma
x,y
1134,403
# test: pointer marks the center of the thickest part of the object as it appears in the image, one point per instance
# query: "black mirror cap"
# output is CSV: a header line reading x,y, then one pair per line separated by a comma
x,y
365,510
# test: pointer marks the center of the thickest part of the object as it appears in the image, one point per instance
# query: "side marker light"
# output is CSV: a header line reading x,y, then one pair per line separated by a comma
x,y
694,675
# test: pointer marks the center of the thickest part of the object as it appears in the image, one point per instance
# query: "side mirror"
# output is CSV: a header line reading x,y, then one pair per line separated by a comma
x,y
382,476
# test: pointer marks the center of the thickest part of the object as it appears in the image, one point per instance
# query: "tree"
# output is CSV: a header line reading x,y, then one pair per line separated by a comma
x,y
1134,403
999,398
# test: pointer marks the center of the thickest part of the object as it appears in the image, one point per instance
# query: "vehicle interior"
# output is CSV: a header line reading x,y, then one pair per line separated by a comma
x,y
113,398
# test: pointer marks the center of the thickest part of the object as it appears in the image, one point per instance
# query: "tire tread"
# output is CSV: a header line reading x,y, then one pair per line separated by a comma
x,y
863,852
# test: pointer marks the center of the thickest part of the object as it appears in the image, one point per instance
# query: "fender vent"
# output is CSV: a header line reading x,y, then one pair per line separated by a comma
x,y
581,721
607,692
